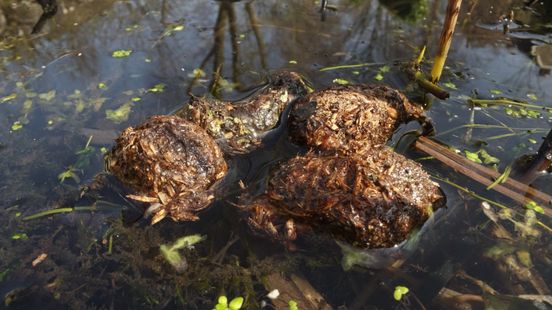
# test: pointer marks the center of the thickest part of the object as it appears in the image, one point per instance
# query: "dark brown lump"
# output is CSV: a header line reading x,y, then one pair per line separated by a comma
x,y
239,126
369,202
168,161
350,119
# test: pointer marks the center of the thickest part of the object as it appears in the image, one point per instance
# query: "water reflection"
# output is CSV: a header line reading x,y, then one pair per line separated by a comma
x,y
49,9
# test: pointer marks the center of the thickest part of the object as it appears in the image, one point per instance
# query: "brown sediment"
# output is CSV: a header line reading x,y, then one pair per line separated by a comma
x,y
350,119
170,161
371,202
239,126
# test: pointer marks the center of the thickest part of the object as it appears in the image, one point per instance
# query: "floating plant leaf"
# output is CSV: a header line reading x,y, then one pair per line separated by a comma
x,y
8,98
226,85
48,96
293,62
293,305
236,303
531,205
384,69
102,85
120,114
170,251
197,73
20,236
173,257
27,106
16,126
495,91
158,88
70,173
532,96
171,28
450,85
121,53
341,81
187,241
473,156
399,292
487,158
378,77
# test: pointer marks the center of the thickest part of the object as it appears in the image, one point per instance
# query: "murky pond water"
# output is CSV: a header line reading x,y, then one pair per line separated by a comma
x,y
97,67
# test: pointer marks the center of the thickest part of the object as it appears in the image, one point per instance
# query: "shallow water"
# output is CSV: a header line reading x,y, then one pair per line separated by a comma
x,y
62,86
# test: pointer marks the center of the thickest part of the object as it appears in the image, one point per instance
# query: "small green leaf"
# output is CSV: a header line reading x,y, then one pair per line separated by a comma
x,y
172,256
293,62
222,300
450,85
532,96
495,91
341,81
158,88
473,156
531,140
8,98
293,305
187,241
102,85
384,69
197,73
170,29
236,303
120,114
16,126
531,205
487,158
399,292
378,77
135,99
70,173
20,236
121,53
48,96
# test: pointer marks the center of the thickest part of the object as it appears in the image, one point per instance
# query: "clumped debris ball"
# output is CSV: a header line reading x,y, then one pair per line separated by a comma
x,y
371,202
169,162
350,119
240,126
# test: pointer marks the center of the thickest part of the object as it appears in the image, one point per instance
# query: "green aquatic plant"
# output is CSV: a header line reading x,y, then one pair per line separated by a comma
x,y
481,157
399,292
120,114
121,53
171,254
235,304
293,305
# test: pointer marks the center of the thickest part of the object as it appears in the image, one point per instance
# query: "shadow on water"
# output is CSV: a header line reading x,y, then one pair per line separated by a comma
x,y
93,68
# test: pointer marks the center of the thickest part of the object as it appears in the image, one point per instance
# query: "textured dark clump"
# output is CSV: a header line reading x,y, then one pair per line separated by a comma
x,y
239,126
370,202
350,119
168,161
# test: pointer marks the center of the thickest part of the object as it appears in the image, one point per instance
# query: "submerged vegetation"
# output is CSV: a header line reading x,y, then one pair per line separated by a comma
x,y
71,238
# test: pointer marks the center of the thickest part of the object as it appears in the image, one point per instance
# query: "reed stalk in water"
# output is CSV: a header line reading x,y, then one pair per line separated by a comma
x,y
453,10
